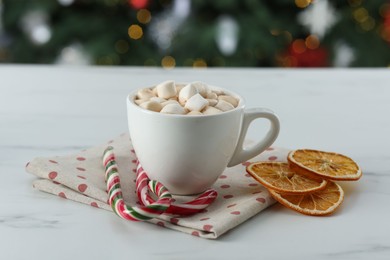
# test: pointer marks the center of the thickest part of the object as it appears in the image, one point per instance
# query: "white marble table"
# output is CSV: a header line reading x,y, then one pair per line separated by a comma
x,y
58,110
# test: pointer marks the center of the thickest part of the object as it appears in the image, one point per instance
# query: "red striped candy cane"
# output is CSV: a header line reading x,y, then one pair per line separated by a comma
x,y
116,201
187,208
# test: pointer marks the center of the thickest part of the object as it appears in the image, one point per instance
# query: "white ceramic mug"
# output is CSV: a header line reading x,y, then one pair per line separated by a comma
x,y
188,153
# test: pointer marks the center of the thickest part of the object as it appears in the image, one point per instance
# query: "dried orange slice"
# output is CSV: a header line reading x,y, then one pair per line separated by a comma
x,y
319,164
318,203
279,177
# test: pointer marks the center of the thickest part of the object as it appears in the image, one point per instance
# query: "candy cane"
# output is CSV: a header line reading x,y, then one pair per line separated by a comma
x,y
187,208
116,201
149,208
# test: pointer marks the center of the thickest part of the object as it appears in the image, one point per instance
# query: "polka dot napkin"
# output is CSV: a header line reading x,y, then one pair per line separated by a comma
x,y
80,177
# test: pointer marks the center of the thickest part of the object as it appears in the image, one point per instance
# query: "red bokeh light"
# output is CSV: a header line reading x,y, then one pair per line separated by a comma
x,y
138,4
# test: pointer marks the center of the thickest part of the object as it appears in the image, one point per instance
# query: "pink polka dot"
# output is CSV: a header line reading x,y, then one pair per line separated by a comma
x,y
223,176
207,227
195,233
257,192
94,204
81,177
253,184
235,212
134,170
228,196
270,149
247,175
261,200
53,175
62,195
161,224
82,187
52,161
245,163
272,158
80,169
134,161
80,158
174,221
231,205
132,150
203,219
225,186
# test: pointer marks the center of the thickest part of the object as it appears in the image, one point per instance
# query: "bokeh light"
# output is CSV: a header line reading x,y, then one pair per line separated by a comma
x,y
360,14
312,42
302,3
299,46
40,34
135,32
199,63
368,24
138,4
168,62
144,16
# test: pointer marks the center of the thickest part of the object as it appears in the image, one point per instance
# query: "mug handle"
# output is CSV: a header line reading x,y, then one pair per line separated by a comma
x,y
240,154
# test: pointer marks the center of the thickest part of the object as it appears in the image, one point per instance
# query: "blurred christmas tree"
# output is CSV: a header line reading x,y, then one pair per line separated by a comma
x,y
199,33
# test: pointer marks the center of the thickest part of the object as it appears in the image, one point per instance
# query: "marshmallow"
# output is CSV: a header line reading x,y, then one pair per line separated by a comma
x,y
173,98
186,93
140,101
166,89
145,93
193,99
195,113
229,99
173,109
158,99
169,102
212,102
196,103
224,106
151,105
212,95
201,87
179,88
218,92
154,90
211,111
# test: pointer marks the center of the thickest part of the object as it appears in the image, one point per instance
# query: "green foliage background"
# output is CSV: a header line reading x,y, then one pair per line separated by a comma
x,y
99,24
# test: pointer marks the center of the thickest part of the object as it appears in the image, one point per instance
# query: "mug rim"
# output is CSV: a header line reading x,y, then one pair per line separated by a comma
x,y
241,104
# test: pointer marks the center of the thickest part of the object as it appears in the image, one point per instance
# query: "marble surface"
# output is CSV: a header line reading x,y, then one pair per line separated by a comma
x,y
58,110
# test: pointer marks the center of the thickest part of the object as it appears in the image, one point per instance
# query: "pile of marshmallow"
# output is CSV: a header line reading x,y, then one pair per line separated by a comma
x,y
195,98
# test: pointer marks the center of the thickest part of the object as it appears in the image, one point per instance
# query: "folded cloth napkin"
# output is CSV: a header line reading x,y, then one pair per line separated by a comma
x,y
80,177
